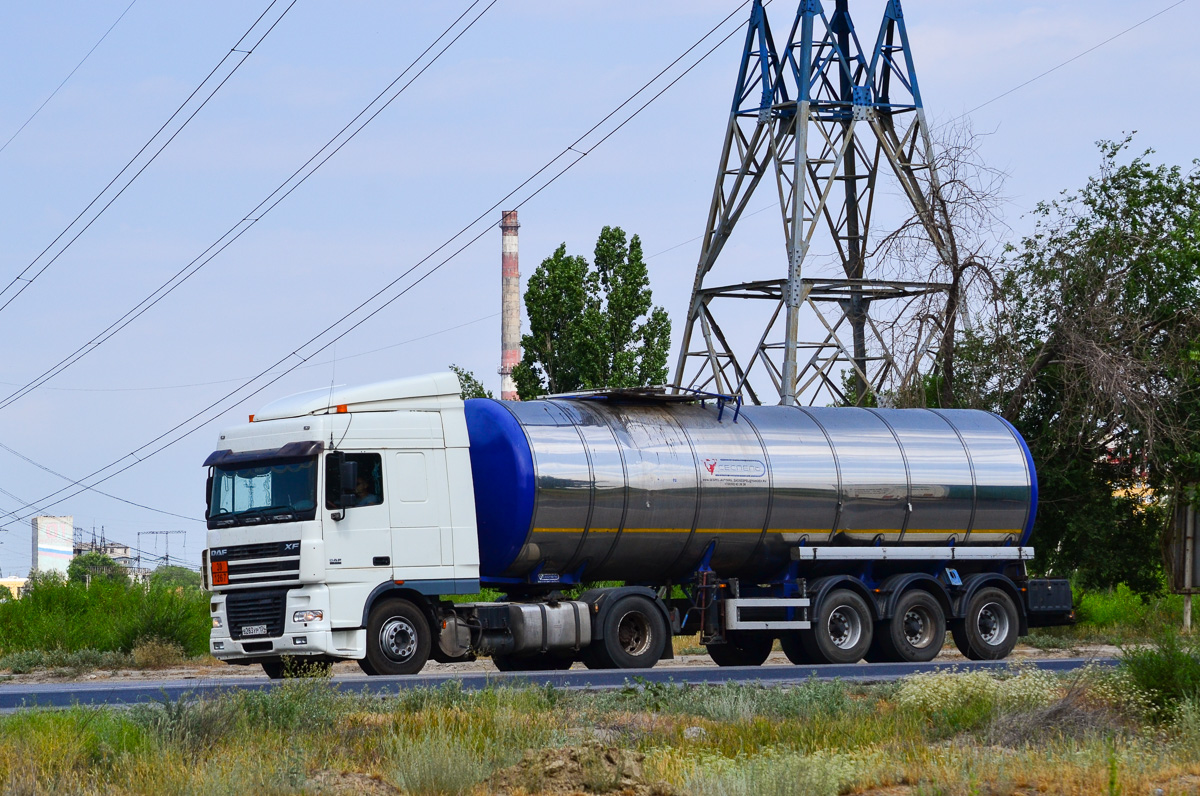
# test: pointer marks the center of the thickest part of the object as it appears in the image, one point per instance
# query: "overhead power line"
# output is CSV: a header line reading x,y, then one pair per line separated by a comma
x,y
574,152
297,178
317,364
72,482
1073,58
965,114
236,56
25,124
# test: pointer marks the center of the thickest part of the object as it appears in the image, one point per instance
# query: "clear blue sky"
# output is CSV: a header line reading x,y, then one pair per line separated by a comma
x,y
522,84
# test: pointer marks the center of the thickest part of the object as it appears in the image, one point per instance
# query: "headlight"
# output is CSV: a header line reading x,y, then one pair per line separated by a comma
x,y
216,621
308,616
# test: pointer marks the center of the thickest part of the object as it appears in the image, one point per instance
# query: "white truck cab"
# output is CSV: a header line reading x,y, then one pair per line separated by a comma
x,y
326,497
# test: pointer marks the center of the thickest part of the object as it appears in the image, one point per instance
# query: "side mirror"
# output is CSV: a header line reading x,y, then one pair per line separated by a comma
x,y
340,478
349,481
208,495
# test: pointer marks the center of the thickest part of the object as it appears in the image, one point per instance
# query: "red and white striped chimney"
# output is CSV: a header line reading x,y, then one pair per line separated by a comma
x,y
510,301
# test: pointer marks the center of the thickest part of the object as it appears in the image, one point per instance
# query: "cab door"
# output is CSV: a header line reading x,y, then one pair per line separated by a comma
x,y
422,542
359,545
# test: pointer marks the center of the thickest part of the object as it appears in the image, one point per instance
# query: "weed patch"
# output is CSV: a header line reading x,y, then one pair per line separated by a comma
x,y
1168,672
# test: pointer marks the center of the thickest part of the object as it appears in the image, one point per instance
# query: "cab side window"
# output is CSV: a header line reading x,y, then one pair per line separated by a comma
x,y
368,490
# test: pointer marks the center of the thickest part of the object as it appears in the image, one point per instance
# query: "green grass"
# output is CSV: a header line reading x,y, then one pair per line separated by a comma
x,y
1113,616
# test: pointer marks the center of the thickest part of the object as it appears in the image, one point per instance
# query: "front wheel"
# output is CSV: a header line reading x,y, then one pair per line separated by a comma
x,y
294,666
398,639
537,662
989,630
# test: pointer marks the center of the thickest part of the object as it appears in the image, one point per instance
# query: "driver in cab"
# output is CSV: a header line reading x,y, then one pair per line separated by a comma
x,y
365,494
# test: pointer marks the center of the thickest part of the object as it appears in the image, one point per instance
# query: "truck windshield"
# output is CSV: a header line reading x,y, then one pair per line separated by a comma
x,y
253,494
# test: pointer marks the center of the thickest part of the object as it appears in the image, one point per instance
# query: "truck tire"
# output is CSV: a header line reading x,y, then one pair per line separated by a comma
x,y
537,662
741,649
914,634
633,636
989,630
842,629
793,647
398,639
296,666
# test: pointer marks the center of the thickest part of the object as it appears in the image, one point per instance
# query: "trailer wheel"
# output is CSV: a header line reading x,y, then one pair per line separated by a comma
x,y
398,639
793,647
741,649
633,636
842,629
989,630
537,662
915,633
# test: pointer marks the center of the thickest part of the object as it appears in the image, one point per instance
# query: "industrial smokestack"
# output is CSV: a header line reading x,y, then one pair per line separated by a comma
x,y
510,305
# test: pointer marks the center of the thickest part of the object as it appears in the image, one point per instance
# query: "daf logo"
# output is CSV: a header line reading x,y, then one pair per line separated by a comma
x,y
218,551
291,545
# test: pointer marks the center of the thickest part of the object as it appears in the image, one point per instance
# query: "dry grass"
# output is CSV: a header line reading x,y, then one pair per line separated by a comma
x,y
1022,733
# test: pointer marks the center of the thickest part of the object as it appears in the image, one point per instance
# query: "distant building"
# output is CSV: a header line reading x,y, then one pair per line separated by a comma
x,y
15,585
122,554
53,544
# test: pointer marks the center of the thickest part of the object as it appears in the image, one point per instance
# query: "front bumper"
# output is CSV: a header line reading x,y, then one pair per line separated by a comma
x,y
310,639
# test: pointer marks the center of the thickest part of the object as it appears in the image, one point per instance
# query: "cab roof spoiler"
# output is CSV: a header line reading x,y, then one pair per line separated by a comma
x,y
292,450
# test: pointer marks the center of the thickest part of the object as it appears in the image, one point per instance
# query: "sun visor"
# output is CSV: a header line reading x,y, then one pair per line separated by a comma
x,y
292,450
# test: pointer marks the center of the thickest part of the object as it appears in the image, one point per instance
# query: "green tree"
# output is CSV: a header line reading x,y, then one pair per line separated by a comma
x,y
471,387
175,577
1096,360
95,565
593,325
5,594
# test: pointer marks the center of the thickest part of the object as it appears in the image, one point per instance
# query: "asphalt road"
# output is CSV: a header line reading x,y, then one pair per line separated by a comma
x,y
16,696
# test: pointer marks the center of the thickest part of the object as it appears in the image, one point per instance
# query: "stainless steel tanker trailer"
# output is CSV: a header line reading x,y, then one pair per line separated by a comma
x,y
348,524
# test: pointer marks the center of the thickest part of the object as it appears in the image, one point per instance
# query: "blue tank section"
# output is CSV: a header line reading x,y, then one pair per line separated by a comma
x,y
502,469
1033,481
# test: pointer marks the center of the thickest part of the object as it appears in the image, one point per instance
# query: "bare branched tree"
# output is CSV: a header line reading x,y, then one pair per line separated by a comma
x,y
964,252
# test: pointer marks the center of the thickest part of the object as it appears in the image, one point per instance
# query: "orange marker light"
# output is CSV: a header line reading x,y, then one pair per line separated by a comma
x,y
251,418
342,408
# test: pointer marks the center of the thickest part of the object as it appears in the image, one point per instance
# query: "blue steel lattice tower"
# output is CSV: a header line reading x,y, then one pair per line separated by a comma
x,y
821,115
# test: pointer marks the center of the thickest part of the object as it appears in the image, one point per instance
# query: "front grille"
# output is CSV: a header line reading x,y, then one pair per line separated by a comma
x,y
290,565
249,608
263,550
255,565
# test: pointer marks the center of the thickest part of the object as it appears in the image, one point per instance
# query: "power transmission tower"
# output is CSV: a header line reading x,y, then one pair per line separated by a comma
x,y
820,116
166,559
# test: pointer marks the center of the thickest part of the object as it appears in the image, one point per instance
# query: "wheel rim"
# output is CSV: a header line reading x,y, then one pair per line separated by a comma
x,y
398,639
844,627
634,634
993,624
918,627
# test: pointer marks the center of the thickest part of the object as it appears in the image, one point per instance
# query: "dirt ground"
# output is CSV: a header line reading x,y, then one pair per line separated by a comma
x,y
211,668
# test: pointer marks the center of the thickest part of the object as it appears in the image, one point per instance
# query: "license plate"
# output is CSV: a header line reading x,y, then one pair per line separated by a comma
x,y
254,630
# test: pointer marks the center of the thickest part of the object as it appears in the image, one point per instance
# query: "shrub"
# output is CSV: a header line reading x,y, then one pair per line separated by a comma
x,y
23,662
108,616
1168,671
154,653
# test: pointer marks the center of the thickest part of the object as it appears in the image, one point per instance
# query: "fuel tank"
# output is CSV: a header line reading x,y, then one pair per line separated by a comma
x,y
605,490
